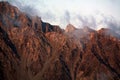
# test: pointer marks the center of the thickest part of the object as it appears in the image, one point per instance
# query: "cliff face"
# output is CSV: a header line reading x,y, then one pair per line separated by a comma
x,y
31,49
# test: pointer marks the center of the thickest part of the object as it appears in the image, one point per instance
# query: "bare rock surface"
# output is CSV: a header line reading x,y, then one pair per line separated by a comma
x,y
31,49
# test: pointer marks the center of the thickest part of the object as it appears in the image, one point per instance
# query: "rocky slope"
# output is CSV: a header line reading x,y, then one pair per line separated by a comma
x,y
31,49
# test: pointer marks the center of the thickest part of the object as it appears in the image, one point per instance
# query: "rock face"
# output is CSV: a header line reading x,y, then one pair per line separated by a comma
x,y
70,28
31,49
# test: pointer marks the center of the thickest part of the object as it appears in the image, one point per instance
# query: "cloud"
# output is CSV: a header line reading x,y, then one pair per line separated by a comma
x,y
67,16
96,21
25,6
39,8
87,20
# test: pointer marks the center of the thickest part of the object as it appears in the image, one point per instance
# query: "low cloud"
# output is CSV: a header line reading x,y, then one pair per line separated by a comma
x,y
67,16
95,21
26,6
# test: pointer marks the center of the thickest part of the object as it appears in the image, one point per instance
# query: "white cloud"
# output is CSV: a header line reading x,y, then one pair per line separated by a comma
x,y
93,13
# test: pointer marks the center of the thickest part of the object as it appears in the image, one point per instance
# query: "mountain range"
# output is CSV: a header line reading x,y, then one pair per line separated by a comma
x,y
31,49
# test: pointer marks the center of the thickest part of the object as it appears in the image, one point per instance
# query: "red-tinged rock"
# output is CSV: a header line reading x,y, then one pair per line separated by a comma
x,y
31,49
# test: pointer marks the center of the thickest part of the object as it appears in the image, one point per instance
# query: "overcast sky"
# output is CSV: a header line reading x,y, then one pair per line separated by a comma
x,y
93,13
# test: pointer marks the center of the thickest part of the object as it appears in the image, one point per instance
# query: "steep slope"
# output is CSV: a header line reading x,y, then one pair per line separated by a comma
x,y
100,58
23,40
31,49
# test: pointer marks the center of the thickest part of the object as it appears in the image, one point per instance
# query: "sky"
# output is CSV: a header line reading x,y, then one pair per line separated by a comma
x,y
80,13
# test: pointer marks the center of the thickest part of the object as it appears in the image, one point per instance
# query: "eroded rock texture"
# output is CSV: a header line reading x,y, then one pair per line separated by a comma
x,y
31,49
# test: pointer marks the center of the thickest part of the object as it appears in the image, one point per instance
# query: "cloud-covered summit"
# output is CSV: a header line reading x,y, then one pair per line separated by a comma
x,y
80,13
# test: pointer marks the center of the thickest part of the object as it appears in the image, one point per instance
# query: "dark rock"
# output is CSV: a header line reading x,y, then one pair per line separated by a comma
x,y
31,49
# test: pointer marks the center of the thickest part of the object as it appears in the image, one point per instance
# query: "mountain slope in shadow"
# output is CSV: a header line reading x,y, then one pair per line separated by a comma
x,y
31,49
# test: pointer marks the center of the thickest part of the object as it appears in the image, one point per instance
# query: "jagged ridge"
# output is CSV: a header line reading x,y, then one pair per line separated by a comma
x,y
31,49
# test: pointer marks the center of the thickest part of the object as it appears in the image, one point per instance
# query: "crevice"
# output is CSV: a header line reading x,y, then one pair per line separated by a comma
x,y
9,42
65,67
103,62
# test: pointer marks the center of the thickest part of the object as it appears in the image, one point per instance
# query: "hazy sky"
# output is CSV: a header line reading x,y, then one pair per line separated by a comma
x,y
80,13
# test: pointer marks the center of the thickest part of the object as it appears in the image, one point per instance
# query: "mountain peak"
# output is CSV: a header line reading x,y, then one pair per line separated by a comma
x,y
28,45
70,28
109,32
7,9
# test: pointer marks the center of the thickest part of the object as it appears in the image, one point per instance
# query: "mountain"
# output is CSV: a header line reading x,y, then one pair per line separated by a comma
x,y
70,28
31,49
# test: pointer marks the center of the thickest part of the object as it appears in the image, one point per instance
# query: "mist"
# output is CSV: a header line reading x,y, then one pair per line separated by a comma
x,y
56,16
